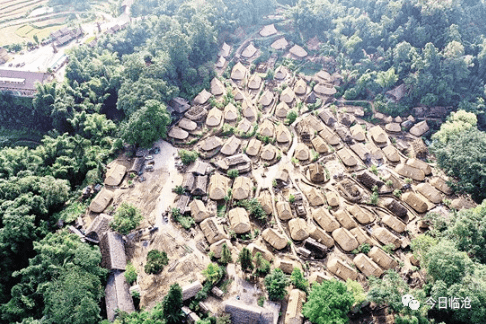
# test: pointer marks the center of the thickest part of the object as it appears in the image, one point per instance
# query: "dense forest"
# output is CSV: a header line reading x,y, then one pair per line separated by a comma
x,y
437,49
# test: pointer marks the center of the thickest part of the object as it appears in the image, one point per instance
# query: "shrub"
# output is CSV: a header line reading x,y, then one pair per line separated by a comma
x,y
156,260
291,117
127,218
254,207
397,193
291,198
276,283
374,169
233,173
179,190
130,273
187,157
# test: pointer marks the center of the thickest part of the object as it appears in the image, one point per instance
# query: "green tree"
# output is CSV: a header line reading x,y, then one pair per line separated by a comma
x,y
387,79
130,273
262,266
446,263
457,123
357,290
245,259
126,219
172,304
226,256
299,281
275,283
388,290
187,157
213,273
156,260
328,303
146,125
291,116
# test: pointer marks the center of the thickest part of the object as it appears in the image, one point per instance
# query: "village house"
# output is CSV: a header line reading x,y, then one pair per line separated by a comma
x,y
325,220
345,239
341,269
239,220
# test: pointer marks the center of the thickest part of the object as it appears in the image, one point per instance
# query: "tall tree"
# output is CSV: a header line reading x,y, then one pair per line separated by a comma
x,y
276,282
172,305
245,259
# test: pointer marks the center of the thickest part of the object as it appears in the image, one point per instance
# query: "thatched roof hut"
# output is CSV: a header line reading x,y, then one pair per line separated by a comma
x,y
318,277
266,128
419,164
248,110
218,186
211,143
200,186
332,198
430,192
358,133
394,223
269,152
391,154
101,201
287,265
217,247
254,249
268,30
239,72
325,220
282,110
202,97
220,63
347,158
349,190
419,149
367,266
441,185
375,152
249,51
300,87
361,151
115,174
112,249
329,136
378,135
341,269
410,172
242,188
196,113
386,237
225,50
253,147
274,238
382,258
324,90
343,132
415,202
345,219
298,52
301,152
319,145
316,173
345,239
395,207
217,87
191,290
361,236
283,210
266,99
419,129
315,197
199,167
212,231
280,44
239,220
363,215
298,229
283,134
244,125
178,133
117,295
321,236
393,128
265,199
187,124
287,96
347,119
243,313
294,307
230,113
239,95
231,146
198,210
327,117
281,72
214,117
255,82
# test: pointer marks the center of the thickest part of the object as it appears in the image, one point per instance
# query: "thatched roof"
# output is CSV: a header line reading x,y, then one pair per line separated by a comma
x,y
244,125
321,236
230,113
327,117
198,210
347,119
187,124
217,87
282,110
214,117
253,147
367,266
280,44
329,136
314,122
99,226
358,133
382,258
112,249
316,173
202,97
419,129
182,203
375,152
298,229
249,111
298,52
386,237
319,145
361,151
231,146
117,295
218,186
349,190
325,220
315,197
217,247
347,158
283,210
397,93
239,220
394,223
220,63
318,277
265,199
300,87
244,313
343,132
274,238
410,172
441,185
254,249
266,99
391,154
178,133
238,94
363,215
341,269
212,231
188,181
281,73
430,192
225,50
393,128
191,290
196,113
324,76
283,134
242,188
115,174
268,30
324,90
294,307
345,239
345,219
311,98
332,199
101,201
378,135
287,265
199,167
419,164
419,148
137,165
255,82
266,128
415,202
211,143
268,152
361,236
249,51
287,95
302,152
239,72
200,186
395,207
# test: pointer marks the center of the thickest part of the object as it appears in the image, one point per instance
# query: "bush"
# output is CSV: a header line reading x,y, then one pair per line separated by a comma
x,y
130,273
127,218
179,190
156,261
276,284
291,198
233,173
298,280
291,117
254,207
187,157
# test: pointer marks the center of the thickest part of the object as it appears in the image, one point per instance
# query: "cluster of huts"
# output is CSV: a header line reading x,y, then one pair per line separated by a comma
x,y
63,36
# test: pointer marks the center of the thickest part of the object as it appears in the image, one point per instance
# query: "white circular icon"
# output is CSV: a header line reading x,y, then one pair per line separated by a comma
x,y
406,299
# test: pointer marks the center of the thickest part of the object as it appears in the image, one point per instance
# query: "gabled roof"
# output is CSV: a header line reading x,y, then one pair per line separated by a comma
x,y
280,44
115,174
225,50
294,307
361,151
255,82
361,236
198,210
99,226
112,249
244,125
378,135
212,231
347,158
376,153
282,110
101,201
214,117
239,220
178,133
319,145
298,229
382,258
117,295
239,71
220,63
202,97
386,237
265,199
266,128
187,124
191,290
363,215
287,95
429,192
281,73
266,99
342,270
253,147
230,113
283,134
302,152
393,128
367,266
394,223
325,220
300,87
316,172
248,110
268,30
329,136
249,51
283,210
324,90
441,185
315,197
231,146
332,198
358,133
211,143
268,152
345,219
321,236
391,154
410,172
419,129
298,52
242,188
274,238
419,164
415,202
217,87
345,239
327,117
218,186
